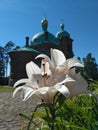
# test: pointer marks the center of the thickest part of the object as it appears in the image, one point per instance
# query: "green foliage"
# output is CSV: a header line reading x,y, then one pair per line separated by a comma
x,y
78,113
90,67
81,111
96,91
93,85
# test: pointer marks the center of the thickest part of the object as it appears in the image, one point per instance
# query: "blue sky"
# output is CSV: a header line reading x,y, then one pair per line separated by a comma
x,y
20,18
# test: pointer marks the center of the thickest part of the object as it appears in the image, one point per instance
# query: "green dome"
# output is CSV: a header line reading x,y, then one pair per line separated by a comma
x,y
26,49
40,38
44,36
62,33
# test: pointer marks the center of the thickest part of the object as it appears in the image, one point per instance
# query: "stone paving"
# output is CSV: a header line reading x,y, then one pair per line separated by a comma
x,y
10,109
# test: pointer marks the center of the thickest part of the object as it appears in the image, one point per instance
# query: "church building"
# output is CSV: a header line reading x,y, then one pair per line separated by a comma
x,y
41,42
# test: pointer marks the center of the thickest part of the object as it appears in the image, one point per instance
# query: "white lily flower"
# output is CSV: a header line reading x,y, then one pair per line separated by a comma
x,y
41,85
55,75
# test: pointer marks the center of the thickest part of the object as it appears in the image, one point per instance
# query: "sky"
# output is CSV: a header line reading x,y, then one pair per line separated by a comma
x,y
21,18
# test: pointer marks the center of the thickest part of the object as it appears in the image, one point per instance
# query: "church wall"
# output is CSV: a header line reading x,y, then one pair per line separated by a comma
x,y
18,64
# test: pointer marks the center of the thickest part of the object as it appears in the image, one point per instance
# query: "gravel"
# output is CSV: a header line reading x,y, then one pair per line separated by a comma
x,y
10,109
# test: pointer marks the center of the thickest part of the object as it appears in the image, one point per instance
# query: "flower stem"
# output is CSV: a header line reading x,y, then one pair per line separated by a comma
x,y
52,111
32,118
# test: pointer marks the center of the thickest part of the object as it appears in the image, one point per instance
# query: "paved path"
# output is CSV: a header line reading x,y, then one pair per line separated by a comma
x,y
10,109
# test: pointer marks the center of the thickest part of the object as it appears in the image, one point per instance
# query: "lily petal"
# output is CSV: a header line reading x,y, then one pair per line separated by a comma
x,y
63,90
25,91
67,79
28,94
43,56
72,62
57,57
22,81
17,89
51,65
77,87
32,68
47,93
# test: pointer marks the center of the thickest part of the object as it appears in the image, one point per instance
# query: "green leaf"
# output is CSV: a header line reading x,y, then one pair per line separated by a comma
x,y
26,117
45,127
43,116
96,91
67,125
60,99
96,123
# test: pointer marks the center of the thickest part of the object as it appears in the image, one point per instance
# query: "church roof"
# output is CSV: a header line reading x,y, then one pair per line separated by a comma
x,y
26,49
62,32
41,37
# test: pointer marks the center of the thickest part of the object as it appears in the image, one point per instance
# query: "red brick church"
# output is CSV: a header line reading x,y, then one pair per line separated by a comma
x,y
40,43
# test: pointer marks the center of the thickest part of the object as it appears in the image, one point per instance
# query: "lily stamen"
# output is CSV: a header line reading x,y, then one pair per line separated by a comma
x,y
45,77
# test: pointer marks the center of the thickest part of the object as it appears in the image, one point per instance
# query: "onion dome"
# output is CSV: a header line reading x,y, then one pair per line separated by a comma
x,y
62,33
44,35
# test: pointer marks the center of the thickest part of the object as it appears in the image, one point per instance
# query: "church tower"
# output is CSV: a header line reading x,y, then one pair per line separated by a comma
x,y
65,42
44,40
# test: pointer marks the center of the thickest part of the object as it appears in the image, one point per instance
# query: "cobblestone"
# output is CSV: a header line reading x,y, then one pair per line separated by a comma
x,y
10,109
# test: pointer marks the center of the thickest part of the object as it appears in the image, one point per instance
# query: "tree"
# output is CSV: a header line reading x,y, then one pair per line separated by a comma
x,y
7,48
90,67
4,58
1,62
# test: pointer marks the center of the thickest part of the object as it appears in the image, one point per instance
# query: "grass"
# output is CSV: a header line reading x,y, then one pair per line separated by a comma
x,y
6,89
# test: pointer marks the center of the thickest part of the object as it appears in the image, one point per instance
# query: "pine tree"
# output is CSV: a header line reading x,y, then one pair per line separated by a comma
x,y
90,67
